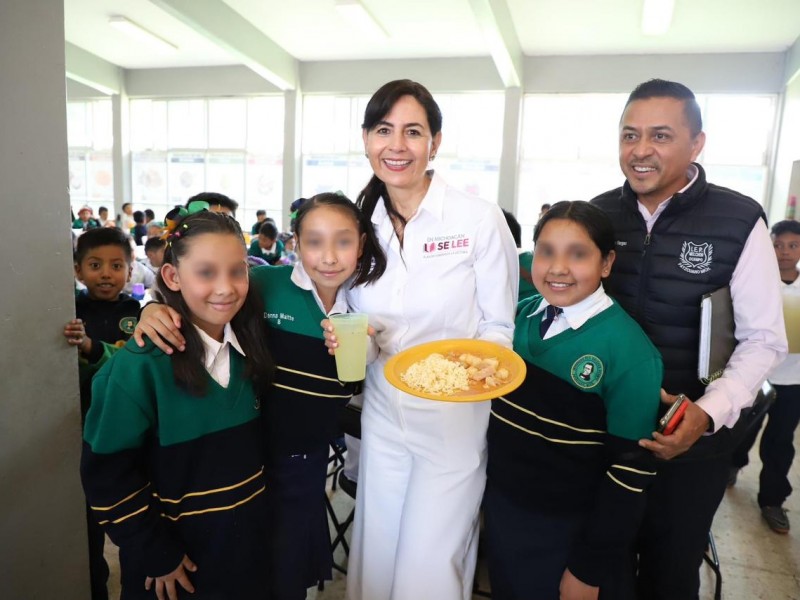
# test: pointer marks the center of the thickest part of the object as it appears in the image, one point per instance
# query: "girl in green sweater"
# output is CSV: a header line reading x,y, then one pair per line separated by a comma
x,y
172,461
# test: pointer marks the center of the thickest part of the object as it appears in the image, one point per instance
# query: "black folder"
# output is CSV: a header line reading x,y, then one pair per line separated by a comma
x,y
717,339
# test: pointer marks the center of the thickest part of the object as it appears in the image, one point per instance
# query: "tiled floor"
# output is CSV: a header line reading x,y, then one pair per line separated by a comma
x,y
757,564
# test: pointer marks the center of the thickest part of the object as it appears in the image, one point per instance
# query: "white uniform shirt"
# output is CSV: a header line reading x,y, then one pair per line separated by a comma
x,y
456,276
301,279
788,372
758,315
576,315
218,355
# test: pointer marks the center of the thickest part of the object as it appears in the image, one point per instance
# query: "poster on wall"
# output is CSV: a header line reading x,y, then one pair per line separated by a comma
x,y
100,176
264,182
187,172
149,177
225,174
77,176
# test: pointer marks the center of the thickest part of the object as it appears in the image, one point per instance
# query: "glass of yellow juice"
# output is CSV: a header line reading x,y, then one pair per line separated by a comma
x,y
351,354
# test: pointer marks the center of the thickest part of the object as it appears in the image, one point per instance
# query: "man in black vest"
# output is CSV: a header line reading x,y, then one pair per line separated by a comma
x,y
679,237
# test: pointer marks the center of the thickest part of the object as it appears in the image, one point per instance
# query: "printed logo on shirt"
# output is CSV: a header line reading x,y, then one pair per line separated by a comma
x,y
278,317
696,258
127,325
587,371
446,245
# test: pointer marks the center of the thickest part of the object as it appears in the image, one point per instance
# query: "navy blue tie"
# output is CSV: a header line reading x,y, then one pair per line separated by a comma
x,y
550,313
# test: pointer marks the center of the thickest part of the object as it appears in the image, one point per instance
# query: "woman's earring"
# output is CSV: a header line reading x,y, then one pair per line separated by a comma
x,y
433,156
366,155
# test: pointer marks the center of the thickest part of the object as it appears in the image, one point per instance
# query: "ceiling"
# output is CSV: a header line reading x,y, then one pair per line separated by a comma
x,y
312,30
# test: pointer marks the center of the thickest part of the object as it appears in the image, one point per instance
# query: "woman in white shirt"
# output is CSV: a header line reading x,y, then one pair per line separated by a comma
x,y
452,273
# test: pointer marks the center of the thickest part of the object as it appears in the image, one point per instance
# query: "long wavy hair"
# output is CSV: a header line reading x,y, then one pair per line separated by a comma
x,y
188,367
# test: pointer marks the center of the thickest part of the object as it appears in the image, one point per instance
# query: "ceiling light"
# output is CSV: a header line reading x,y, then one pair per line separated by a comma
x,y
358,16
657,16
141,34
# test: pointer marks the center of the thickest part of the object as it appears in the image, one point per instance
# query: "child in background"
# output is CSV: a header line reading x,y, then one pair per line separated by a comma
x,y
337,249
102,214
566,475
105,316
85,220
267,245
139,231
289,255
261,214
777,441
154,249
526,287
173,456
125,220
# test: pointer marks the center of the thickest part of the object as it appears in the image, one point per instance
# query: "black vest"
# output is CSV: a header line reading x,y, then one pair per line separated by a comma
x,y
660,278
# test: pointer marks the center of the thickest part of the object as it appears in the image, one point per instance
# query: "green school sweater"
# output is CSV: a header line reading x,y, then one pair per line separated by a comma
x,y
566,440
167,473
302,411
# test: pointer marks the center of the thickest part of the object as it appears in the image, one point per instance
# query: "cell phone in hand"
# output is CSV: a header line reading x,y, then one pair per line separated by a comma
x,y
670,421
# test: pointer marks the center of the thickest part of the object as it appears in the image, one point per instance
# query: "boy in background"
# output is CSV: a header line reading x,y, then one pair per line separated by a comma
x,y
154,250
85,220
267,245
777,441
261,215
105,316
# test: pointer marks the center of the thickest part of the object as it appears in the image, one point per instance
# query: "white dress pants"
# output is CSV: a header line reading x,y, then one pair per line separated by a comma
x,y
421,478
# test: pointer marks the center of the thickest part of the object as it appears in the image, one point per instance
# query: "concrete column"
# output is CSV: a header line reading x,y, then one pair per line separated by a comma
x,y
120,152
509,158
292,160
43,540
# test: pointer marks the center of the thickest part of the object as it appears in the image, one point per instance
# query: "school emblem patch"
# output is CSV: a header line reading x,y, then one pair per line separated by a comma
x,y
128,324
587,371
696,258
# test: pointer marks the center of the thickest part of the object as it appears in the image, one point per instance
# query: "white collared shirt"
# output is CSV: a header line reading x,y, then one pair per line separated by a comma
x,y
218,358
758,315
302,280
576,315
457,275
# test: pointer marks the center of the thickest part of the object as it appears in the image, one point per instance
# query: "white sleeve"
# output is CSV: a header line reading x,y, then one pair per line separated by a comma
x,y
760,332
497,279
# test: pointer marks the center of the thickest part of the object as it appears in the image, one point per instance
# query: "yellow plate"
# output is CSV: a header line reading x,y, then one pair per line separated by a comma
x,y
399,363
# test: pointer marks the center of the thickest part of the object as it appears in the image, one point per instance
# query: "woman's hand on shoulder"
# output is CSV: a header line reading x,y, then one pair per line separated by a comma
x,y
165,585
161,324
572,588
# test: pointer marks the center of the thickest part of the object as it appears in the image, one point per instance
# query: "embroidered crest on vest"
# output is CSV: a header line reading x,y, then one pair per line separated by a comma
x,y
696,258
587,371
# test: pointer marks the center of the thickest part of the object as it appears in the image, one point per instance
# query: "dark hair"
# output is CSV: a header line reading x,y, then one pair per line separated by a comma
x,y
101,209
154,243
260,212
216,199
515,227
138,217
378,107
372,263
103,236
546,206
188,367
661,88
594,220
125,204
149,214
268,230
782,227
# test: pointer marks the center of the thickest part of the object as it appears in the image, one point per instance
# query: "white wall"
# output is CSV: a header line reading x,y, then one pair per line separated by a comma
x,y
43,539
788,151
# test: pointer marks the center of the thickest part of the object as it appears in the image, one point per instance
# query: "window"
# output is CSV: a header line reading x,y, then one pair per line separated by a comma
x,y
469,157
90,139
229,145
570,148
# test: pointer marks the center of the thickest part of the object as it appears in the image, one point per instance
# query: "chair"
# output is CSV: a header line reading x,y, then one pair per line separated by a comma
x,y
349,423
750,418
